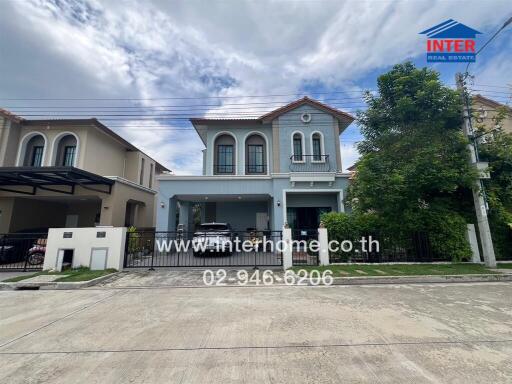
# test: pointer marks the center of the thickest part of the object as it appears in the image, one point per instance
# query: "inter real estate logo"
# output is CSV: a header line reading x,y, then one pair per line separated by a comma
x,y
450,41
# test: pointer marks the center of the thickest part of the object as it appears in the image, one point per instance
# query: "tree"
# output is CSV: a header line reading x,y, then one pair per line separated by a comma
x,y
414,170
497,150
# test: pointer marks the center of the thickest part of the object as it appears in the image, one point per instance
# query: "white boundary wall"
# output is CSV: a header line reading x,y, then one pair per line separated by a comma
x,y
84,242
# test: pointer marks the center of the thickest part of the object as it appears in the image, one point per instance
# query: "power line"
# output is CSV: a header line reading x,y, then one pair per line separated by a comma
x,y
188,98
275,102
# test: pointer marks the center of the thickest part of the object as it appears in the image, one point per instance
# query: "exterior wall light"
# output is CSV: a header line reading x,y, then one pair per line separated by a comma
x,y
278,203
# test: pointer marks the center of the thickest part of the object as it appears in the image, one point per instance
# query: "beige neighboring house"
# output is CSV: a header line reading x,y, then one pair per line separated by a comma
x,y
72,173
485,109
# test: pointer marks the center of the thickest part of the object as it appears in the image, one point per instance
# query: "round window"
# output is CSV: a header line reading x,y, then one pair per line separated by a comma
x,y
306,117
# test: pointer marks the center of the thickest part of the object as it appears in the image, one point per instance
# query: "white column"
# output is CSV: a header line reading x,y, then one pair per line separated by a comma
x,y
287,252
324,246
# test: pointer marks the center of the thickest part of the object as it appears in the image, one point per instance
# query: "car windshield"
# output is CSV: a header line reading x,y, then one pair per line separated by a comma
x,y
212,227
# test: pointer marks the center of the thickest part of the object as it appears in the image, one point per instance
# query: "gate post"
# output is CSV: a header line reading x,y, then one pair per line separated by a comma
x,y
323,240
287,245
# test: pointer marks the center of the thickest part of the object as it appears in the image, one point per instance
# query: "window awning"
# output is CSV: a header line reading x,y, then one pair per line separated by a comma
x,y
50,178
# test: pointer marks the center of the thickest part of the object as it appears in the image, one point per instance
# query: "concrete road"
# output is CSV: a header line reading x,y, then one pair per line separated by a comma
x,y
458,333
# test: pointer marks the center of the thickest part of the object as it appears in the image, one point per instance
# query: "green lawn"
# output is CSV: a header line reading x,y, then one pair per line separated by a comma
x,y
78,274
505,265
359,270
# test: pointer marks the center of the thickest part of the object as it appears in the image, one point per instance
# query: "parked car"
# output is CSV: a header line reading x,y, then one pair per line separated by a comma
x,y
212,237
15,247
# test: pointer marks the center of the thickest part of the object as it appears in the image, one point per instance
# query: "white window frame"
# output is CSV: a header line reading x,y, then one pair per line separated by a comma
x,y
303,144
322,148
22,148
212,153
55,147
267,150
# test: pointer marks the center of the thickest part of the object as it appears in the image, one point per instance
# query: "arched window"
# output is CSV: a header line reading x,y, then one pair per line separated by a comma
x,y
32,150
255,154
298,147
224,161
317,146
65,151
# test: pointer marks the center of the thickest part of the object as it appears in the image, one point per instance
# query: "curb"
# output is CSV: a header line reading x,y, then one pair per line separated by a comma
x,y
422,279
20,285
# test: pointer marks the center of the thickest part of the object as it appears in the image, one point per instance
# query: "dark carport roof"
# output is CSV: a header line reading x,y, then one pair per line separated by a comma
x,y
47,178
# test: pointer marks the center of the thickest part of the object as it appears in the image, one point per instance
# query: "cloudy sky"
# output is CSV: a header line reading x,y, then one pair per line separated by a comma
x,y
195,57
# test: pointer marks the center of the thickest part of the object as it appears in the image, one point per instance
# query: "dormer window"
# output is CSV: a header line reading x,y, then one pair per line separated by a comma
x,y
298,147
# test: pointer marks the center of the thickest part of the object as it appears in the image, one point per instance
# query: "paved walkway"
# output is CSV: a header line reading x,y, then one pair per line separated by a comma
x,y
454,333
180,277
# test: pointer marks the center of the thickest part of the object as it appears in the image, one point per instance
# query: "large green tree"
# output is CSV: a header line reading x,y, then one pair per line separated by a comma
x,y
497,150
414,172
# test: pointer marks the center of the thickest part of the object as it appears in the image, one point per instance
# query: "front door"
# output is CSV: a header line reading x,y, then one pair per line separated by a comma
x,y
261,221
305,217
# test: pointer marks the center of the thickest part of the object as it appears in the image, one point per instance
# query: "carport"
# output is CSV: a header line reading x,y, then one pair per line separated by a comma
x,y
45,197
242,212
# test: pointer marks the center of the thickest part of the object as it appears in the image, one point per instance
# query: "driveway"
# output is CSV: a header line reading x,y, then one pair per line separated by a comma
x,y
453,333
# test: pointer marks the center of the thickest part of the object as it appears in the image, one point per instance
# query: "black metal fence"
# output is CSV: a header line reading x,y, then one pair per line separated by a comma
x,y
22,251
187,249
302,251
381,248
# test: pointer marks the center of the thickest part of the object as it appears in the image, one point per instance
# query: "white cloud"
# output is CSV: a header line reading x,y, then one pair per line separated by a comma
x,y
134,49
349,155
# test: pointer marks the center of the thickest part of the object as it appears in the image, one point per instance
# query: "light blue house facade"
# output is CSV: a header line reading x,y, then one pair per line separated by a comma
x,y
284,167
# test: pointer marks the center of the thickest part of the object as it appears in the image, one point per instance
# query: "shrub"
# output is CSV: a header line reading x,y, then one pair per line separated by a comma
x,y
446,230
447,234
500,222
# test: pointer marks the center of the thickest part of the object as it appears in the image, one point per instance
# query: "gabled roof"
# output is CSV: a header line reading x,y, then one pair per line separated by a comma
x,y
83,122
268,117
10,116
489,102
307,101
450,29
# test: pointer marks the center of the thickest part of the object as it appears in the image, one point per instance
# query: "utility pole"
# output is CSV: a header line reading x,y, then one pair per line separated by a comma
x,y
478,190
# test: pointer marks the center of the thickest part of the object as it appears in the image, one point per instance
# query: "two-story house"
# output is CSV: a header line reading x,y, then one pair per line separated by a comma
x,y
486,109
72,173
284,166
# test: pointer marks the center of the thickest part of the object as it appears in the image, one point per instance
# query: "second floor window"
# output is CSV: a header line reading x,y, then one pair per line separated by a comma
x,y
225,159
69,156
141,175
317,147
255,164
37,156
297,147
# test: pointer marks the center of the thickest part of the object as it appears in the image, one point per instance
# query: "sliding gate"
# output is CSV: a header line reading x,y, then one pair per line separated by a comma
x,y
183,249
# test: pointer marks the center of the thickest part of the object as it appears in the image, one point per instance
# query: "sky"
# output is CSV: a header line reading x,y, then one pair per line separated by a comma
x,y
213,57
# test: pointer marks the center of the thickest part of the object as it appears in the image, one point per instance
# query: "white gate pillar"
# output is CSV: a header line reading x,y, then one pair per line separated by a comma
x,y
323,240
287,251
